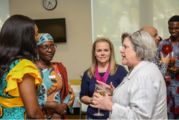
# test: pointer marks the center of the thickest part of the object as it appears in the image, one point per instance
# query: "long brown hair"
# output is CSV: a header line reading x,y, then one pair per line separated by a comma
x,y
114,65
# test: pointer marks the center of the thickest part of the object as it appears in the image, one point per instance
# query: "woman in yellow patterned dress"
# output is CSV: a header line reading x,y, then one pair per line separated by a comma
x,y
19,77
56,90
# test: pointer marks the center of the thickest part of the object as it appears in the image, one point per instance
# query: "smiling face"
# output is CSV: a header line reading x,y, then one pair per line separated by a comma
x,y
174,29
46,55
128,54
102,52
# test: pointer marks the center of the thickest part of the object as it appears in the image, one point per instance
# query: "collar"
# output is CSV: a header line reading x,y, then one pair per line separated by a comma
x,y
135,69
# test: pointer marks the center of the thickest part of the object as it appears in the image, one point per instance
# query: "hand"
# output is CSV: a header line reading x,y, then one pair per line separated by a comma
x,y
165,59
160,63
61,108
109,88
55,116
174,69
103,103
64,106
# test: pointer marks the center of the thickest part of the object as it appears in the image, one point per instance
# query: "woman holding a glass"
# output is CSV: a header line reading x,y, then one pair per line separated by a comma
x,y
105,69
142,93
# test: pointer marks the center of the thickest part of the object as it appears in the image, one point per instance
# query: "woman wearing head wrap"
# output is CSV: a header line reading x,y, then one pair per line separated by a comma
x,y
56,90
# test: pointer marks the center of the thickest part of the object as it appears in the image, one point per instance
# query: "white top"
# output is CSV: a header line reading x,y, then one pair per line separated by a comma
x,y
141,95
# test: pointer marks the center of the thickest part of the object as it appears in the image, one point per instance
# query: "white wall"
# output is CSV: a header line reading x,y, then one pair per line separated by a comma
x,y
4,11
75,54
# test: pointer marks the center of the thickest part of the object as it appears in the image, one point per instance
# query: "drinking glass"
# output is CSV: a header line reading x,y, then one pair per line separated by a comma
x,y
159,57
100,89
172,59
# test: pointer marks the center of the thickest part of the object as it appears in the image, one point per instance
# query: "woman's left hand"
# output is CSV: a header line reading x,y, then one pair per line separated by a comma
x,y
103,103
56,116
109,88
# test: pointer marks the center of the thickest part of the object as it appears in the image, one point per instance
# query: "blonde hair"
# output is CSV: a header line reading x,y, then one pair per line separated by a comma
x,y
114,65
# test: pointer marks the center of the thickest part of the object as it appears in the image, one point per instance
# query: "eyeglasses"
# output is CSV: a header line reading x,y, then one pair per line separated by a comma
x,y
46,47
138,31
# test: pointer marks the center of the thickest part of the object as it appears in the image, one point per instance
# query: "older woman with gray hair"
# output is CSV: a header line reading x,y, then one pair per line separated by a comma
x,y
142,93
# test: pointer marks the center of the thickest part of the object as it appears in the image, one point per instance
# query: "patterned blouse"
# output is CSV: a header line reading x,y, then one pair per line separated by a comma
x,y
51,90
11,104
172,86
163,67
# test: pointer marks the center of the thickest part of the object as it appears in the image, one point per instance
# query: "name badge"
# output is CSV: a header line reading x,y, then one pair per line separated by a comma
x,y
44,70
52,76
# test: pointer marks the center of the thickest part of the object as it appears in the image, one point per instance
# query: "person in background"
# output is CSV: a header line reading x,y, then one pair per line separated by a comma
x,y
56,90
19,78
153,33
142,93
160,39
163,64
172,76
105,69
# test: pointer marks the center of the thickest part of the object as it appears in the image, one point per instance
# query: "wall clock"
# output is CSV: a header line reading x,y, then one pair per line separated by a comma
x,y
49,4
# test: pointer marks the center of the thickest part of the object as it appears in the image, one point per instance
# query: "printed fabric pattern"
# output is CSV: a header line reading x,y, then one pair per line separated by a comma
x,y
11,105
51,90
163,67
172,86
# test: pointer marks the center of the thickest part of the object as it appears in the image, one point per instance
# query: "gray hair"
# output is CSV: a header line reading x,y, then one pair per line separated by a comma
x,y
143,44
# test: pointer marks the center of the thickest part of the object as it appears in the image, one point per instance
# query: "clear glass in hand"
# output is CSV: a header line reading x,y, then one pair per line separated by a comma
x,y
159,57
100,89
172,59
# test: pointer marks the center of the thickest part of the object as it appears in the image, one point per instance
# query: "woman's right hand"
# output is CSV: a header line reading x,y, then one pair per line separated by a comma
x,y
61,108
109,88
55,116
103,103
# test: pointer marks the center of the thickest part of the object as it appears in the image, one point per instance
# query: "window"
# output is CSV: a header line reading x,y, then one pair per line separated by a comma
x,y
111,18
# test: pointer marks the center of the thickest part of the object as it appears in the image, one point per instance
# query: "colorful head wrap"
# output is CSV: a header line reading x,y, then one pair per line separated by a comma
x,y
43,37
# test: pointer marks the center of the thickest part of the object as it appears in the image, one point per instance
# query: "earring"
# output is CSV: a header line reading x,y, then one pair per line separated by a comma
x,y
37,57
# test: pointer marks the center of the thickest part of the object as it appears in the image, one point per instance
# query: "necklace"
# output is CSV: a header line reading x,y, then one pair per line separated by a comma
x,y
105,77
